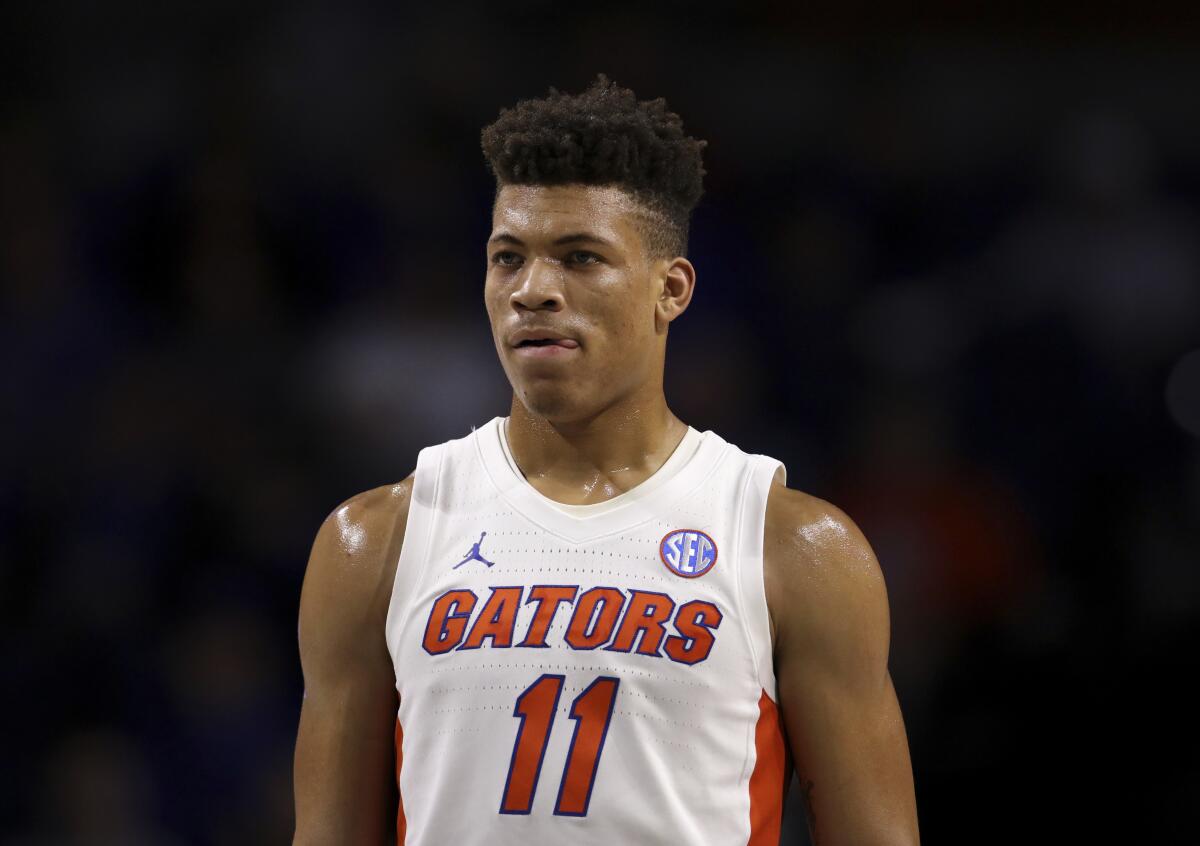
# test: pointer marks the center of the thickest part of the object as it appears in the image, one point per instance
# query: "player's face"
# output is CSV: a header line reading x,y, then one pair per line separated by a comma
x,y
571,297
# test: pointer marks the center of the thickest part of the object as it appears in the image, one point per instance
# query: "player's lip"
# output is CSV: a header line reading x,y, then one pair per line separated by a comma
x,y
526,338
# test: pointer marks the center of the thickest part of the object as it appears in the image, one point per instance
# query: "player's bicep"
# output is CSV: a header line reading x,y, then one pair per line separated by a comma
x,y
344,764
839,705
344,768
851,758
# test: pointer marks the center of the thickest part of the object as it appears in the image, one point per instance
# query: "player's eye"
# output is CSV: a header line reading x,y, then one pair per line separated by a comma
x,y
506,258
583,257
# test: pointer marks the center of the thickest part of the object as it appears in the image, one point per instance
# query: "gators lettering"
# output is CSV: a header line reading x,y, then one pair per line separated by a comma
x,y
640,621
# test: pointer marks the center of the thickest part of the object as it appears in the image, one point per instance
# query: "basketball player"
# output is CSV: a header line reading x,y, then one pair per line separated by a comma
x,y
588,622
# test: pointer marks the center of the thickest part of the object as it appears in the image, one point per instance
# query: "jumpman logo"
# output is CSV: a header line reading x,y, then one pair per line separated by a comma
x,y
474,554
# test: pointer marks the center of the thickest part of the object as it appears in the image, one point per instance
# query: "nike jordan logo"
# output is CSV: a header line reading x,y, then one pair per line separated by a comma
x,y
475,554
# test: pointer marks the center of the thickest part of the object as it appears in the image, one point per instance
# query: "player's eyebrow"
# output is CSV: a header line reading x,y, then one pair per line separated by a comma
x,y
504,237
572,238
576,237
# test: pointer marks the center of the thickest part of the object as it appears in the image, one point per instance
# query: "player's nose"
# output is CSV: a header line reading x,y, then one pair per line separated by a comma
x,y
540,287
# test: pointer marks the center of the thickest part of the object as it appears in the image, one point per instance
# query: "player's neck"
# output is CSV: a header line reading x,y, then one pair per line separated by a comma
x,y
599,457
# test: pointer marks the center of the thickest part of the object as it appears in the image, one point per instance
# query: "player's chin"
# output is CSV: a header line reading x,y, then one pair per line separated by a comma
x,y
554,398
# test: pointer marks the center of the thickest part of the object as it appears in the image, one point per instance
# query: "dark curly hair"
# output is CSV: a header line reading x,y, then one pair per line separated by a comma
x,y
604,136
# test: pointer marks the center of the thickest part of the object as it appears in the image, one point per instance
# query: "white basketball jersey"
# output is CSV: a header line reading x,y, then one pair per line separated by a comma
x,y
595,674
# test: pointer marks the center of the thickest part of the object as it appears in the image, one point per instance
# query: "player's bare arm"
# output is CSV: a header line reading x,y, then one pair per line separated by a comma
x,y
345,786
831,631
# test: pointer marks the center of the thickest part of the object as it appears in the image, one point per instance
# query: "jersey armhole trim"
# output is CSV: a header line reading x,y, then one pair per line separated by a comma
x,y
751,581
414,551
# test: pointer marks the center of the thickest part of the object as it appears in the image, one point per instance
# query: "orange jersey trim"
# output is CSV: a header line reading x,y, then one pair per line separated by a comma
x,y
401,824
768,782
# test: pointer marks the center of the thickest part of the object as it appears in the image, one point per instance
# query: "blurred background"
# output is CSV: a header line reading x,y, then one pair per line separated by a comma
x,y
949,273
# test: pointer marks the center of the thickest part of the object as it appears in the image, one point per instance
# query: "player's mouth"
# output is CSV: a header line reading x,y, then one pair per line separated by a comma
x,y
535,344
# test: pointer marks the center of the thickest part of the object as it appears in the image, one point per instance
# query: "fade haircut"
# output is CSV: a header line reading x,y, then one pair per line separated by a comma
x,y
604,136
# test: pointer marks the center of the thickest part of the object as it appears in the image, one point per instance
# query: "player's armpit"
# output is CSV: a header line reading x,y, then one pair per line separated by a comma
x,y
345,786
831,635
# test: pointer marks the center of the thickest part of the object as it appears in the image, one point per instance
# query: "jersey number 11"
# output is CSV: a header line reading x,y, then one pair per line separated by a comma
x,y
592,711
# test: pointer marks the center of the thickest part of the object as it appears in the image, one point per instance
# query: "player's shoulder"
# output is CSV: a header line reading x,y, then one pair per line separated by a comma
x,y
366,531
817,562
364,520
808,525
358,544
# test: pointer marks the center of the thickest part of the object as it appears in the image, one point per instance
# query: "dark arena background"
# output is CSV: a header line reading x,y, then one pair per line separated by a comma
x,y
949,273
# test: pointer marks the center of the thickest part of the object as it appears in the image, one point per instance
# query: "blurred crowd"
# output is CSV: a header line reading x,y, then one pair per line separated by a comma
x,y
953,283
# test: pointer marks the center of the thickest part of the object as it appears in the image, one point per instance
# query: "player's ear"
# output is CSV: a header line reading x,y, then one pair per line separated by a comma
x,y
677,280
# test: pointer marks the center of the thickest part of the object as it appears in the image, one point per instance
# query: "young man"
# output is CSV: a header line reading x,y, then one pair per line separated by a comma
x,y
588,622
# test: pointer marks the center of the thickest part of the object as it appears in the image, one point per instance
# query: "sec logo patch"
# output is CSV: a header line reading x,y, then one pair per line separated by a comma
x,y
688,552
